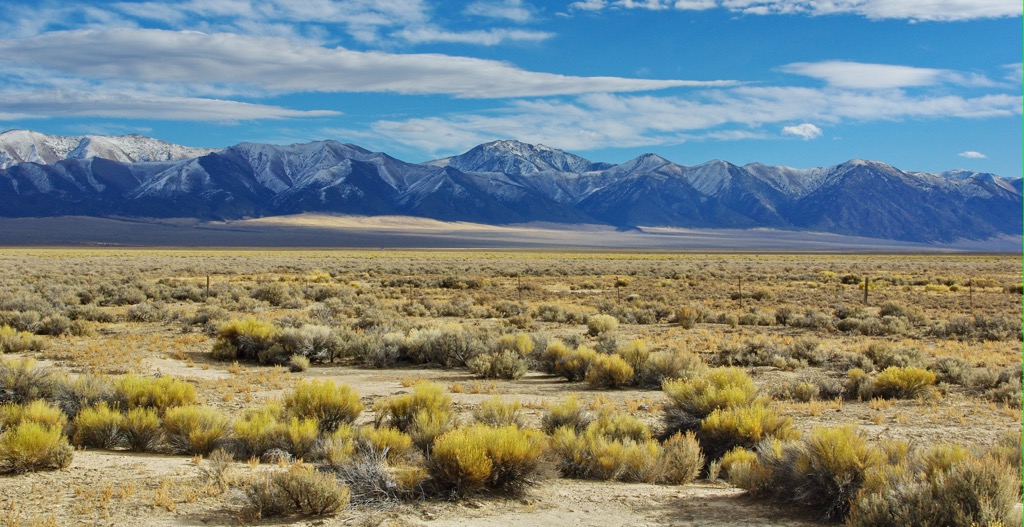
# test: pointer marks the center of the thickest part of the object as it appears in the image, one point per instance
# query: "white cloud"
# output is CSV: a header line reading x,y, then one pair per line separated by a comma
x,y
513,10
606,120
924,10
1014,72
654,5
277,65
60,103
805,131
365,20
484,37
844,74
694,5
368,21
916,10
971,154
589,5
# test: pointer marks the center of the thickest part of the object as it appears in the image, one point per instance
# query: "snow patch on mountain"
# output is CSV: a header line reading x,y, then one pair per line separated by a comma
x,y
710,178
794,182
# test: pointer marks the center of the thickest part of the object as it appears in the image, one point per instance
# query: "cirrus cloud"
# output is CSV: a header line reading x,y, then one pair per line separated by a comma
x,y
846,74
915,10
70,103
279,65
514,10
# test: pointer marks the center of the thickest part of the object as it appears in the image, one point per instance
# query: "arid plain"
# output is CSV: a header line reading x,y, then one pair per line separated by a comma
x,y
917,377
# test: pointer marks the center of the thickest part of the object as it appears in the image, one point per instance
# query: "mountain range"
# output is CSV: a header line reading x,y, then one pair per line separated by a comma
x,y
501,182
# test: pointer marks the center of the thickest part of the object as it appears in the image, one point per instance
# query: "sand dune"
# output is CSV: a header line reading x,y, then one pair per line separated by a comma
x,y
325,230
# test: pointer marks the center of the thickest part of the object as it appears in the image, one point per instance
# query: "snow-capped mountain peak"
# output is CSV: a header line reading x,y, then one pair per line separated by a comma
x,y
27,146
517,158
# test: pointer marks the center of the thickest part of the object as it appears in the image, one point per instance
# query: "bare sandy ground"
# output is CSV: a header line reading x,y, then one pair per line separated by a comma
x,y
324,230
123,489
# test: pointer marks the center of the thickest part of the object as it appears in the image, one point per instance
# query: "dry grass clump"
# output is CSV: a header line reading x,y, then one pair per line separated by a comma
x,y
979,327
496,412
902,383
555,350
299,437
297,363
593,455
520,343
945,485
98,427
391,444
613,446
195,429
505,364
449,345
609,371
736,466
22,381
838,474
74,394
575,364
822,472
373,478
314,343
478,457
424,414
691,400
38,411
1007,450
601,324
636,353
681,459
255,432
666,365
30,446
143,431
742,426
330,404
31,438
620,426
312,422
300,489
159,393
858,385
798,390
566,413
688,317
560,314
245,339
14,341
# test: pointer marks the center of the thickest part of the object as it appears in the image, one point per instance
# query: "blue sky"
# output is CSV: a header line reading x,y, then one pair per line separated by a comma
x,y
924,85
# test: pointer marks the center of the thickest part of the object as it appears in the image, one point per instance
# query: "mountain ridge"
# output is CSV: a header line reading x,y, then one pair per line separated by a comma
x,y
501,182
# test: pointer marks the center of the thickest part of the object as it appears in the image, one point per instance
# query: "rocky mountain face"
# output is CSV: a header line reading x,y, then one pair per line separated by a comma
x,y
498,183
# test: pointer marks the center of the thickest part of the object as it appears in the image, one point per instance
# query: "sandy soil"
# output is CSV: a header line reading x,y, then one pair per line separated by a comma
x,y
111,488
